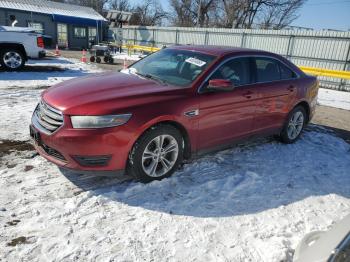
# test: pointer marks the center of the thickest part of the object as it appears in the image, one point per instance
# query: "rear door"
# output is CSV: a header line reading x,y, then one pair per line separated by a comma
x,y
277,91
226,116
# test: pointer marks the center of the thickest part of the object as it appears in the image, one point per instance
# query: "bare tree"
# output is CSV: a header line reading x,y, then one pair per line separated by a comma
x,y
203,14
192,12
275,14
149,13
281,14
121,5
182,13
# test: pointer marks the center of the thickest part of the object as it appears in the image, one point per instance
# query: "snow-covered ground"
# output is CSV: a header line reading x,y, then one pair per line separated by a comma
x,y
46,72
253,202
334,98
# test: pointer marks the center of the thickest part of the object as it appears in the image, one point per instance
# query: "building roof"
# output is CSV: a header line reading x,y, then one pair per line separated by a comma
x,y
16,29
52,8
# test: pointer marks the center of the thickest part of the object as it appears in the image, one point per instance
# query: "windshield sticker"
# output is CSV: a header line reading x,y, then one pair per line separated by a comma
x,y
195,61
129,71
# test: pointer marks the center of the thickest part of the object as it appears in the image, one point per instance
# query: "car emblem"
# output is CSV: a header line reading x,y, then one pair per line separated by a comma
x,y
192,113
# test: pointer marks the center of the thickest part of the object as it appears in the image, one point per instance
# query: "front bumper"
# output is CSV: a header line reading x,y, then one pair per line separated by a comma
x,y
100,151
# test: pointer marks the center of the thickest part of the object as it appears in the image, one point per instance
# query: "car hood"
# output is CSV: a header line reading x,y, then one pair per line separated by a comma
x,y
106,93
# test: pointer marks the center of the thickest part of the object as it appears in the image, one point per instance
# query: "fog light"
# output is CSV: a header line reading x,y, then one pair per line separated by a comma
x,y
92,160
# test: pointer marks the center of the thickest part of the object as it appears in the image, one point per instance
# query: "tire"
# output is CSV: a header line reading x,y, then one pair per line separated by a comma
x,y
98,60
12,59
92,59
294,125
106,59
147,162
111,60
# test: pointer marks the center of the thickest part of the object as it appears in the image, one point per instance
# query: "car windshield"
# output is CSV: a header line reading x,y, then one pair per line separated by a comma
x,y
171,66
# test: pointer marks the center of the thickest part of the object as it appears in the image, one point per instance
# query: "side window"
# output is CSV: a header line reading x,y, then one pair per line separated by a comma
x,y
236,70
286,73
267,69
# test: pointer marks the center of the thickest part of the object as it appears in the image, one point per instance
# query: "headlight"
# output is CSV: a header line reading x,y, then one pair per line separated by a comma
x,y
99,121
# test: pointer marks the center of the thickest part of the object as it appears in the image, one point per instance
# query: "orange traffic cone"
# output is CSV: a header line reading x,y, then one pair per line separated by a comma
x,y
57,51
83,58
125,64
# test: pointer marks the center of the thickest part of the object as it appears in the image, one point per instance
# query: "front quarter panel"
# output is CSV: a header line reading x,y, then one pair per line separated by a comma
x,y
172,110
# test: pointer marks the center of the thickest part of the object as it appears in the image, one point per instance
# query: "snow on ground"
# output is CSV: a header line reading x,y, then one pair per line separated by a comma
x,y
46,72
17,106
251,203
20,91
334,98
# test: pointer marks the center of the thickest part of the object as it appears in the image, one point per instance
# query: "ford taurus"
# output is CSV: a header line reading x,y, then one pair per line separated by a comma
x,y
174,104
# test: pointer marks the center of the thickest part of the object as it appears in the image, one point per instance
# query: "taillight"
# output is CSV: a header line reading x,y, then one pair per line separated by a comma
x,y
40,41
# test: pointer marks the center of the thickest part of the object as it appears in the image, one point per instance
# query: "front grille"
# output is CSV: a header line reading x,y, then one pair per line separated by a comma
x,y
52,152
46,118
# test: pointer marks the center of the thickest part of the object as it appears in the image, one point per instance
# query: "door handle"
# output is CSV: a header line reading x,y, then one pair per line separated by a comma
x,y
248,94
291,88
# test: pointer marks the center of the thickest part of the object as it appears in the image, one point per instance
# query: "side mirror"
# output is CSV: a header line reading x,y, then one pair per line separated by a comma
x,y
220,85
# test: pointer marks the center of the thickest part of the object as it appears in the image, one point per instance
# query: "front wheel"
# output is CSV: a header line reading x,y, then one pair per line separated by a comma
x,y
157,154
12,59
294,125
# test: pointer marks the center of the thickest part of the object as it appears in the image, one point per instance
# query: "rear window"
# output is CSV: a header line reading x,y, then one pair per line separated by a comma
x,y
286,73
268,69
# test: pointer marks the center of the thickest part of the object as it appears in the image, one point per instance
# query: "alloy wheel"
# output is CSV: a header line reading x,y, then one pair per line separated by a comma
x,y
12,59
295,125
160,155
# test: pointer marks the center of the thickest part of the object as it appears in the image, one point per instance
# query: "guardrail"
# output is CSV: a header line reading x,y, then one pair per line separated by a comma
x,y
326,72
150,49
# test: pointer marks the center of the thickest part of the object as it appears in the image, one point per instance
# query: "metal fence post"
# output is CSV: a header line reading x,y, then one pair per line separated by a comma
x,y
290,46
206,38
176,37
345,68
134,35
153,36
243,39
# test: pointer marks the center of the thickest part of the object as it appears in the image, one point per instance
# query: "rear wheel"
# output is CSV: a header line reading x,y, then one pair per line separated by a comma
x,y
157,154
12,59
294,125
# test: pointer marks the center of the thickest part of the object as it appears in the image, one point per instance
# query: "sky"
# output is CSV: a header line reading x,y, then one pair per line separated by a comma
x,y
317,14
325,14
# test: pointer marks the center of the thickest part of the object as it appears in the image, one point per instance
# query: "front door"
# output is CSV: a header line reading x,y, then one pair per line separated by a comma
x,y
62,35
226,116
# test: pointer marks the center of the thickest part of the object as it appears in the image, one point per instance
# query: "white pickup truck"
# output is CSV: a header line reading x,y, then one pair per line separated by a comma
x,y
17,45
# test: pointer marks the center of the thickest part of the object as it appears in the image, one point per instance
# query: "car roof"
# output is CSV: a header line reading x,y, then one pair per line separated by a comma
x,y
217,50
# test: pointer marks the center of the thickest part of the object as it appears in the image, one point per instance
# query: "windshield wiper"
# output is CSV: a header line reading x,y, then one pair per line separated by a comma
x,y
153,77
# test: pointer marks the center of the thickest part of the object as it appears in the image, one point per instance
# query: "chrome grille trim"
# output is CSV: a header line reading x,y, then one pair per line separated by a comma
x,y
46,118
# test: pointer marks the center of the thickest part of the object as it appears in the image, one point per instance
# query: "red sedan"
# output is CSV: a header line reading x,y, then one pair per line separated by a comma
x,y
176,103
